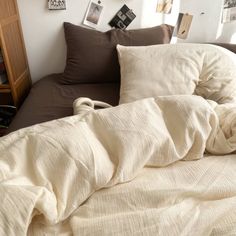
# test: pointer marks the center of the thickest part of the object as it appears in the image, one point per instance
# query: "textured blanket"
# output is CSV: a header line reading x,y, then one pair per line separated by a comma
x,y
117,171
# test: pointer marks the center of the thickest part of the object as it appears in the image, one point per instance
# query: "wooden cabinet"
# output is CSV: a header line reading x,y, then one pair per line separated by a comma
x,y
14,55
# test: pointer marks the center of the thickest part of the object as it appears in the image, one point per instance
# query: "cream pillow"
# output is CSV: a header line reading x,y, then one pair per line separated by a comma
x,y
217,79
172,69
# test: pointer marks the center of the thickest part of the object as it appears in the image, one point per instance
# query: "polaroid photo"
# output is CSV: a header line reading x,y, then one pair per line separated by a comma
x,y
56,4
183,25
93,14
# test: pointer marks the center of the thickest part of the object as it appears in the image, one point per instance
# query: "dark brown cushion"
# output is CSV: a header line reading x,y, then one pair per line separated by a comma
x,y
229,46
92,56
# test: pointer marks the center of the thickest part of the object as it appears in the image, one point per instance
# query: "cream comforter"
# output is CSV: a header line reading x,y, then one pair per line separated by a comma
x,y
127,170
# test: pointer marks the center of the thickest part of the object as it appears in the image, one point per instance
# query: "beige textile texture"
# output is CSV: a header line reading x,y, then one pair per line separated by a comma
x,y
150,71
123,171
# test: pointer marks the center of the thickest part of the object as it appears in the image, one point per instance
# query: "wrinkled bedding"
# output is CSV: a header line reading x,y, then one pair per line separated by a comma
x,y
151,167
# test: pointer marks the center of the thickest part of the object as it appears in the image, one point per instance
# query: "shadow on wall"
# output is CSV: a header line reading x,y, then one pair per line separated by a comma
x,y
55,55
226,33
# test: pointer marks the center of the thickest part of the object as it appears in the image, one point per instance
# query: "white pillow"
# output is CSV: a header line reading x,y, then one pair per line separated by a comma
x,y
172,69
217,80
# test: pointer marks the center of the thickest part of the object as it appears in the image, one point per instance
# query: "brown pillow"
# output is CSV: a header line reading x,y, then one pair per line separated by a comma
x,y
229,46
92,55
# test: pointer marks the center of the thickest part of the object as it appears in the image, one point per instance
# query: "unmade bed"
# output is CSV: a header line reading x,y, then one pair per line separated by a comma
x,y
160,161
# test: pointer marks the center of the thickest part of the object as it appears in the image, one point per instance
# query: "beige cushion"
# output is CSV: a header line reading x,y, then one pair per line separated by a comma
x,y
218,76
202,69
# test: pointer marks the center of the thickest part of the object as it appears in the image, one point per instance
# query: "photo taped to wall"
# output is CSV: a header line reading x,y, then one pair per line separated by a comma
x,y
93,14
164,6
122,18
56,4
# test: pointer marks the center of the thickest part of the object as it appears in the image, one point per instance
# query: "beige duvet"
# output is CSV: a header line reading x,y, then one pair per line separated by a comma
x,y
135,169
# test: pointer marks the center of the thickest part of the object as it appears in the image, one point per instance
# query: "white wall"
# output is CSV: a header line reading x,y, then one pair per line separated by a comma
x,y
44,36
43,30
207,27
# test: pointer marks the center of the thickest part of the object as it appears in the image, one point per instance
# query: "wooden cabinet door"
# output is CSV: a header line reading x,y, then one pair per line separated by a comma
x,y
13,49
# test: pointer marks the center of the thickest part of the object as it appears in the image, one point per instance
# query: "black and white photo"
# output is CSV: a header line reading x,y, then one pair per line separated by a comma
x,y
56,4
122,18
93,14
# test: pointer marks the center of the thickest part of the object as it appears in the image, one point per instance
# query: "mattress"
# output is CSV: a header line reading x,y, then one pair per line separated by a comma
x,y
49,100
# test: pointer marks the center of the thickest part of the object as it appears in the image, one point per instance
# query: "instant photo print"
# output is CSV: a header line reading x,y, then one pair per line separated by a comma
x,y
93,14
